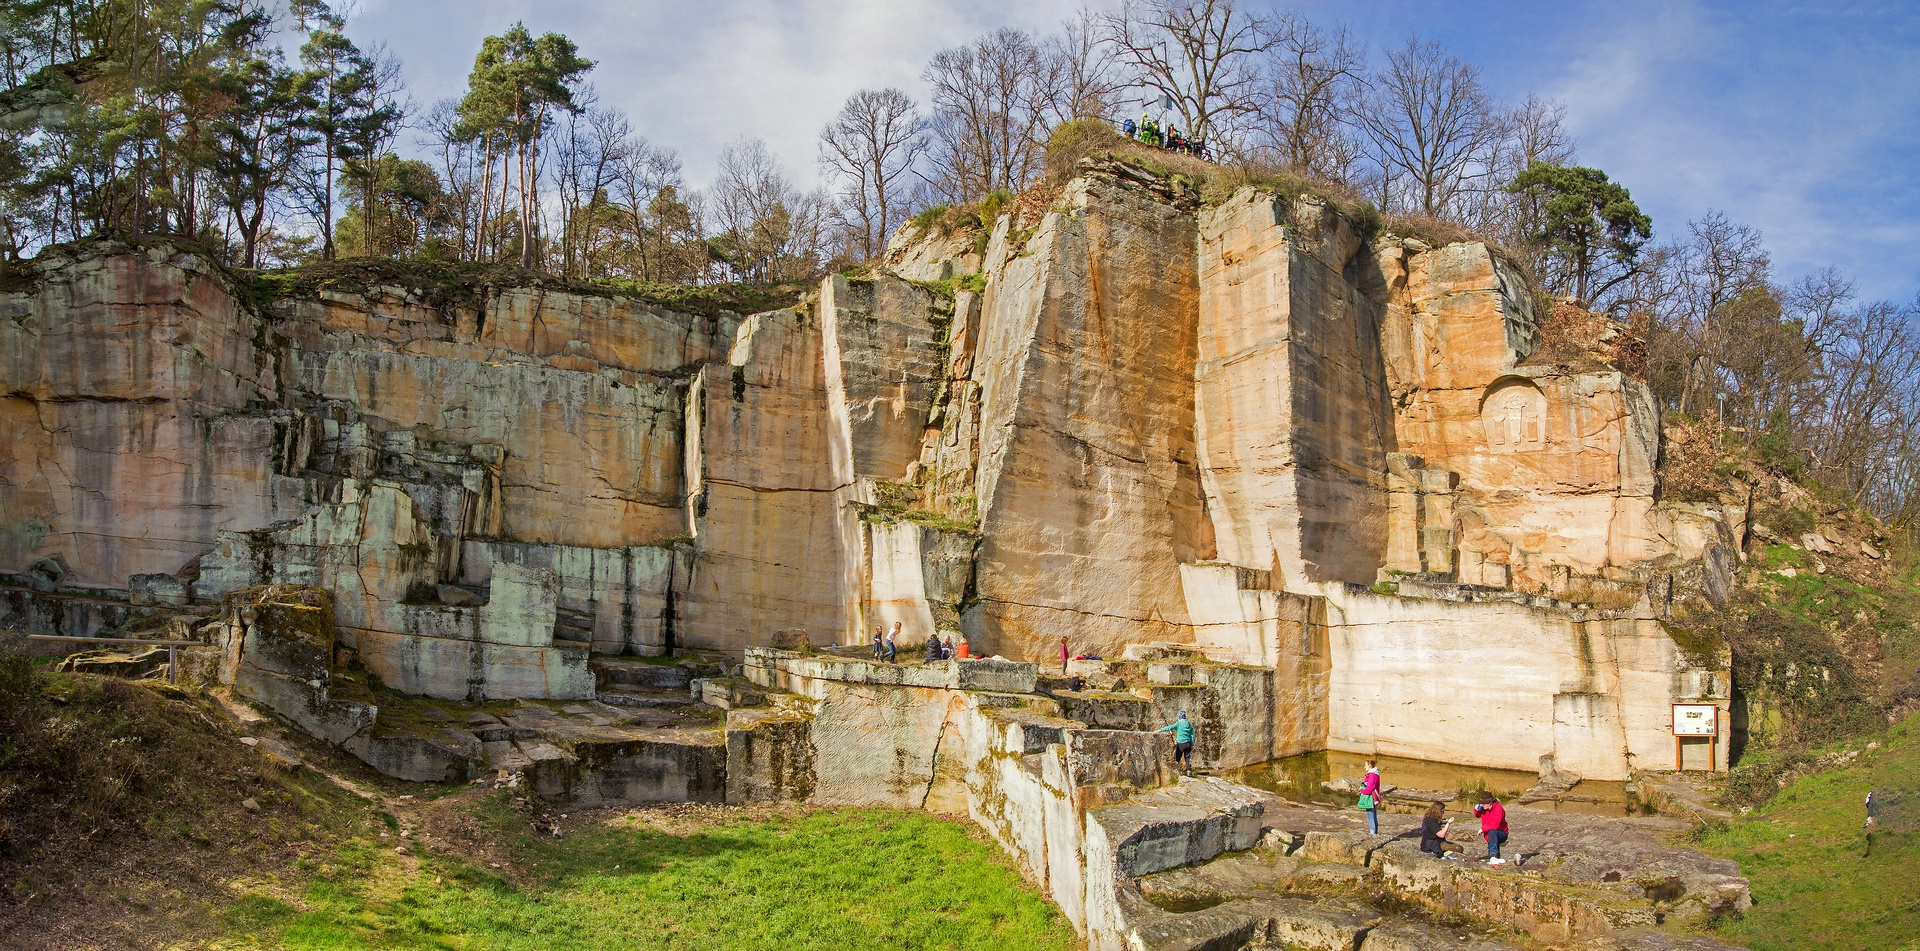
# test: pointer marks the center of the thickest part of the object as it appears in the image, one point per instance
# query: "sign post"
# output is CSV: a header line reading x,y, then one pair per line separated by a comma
x,y
1696,719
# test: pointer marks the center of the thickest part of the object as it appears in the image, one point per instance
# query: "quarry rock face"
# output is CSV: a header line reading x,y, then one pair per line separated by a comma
x,y
1135,419
1087,488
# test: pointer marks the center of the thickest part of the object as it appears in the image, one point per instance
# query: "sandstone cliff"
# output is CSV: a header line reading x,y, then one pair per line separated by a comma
x,y
1137,417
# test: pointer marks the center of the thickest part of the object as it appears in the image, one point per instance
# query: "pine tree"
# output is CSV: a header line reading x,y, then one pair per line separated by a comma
x,y
516,83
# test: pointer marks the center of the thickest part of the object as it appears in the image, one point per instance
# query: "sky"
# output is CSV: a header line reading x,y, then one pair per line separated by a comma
x,y
1799,119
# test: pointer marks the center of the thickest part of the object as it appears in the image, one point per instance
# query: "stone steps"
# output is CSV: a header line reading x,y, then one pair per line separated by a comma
x,y
628,695
637,672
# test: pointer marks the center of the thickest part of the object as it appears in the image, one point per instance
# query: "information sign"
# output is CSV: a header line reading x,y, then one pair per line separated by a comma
x,y
1696,719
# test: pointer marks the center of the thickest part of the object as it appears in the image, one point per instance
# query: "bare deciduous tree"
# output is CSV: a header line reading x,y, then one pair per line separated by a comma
x,y
1532,133
768,230
587,151
1085,79
1306,99
992,109
870,148
1432,128
1204,55
1688,287
661,226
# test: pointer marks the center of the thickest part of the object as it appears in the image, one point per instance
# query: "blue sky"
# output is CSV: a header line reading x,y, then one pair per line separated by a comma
x,y
1800,119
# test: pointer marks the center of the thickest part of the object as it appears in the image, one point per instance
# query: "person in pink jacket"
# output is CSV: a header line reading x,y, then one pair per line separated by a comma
x,y
1370,797
1493,826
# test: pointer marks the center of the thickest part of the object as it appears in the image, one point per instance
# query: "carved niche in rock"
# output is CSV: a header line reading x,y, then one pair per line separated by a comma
x,y
1514,416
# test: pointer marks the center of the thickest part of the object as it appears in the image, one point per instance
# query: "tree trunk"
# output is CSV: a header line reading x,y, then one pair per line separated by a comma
x,y
486,200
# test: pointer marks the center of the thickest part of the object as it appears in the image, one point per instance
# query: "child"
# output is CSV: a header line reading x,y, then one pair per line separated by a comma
x,y
1370,798
1493,826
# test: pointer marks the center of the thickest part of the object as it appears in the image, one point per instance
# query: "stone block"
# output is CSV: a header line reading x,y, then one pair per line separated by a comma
x,y
996,676
440,756
1304,926
769,756
1344,848
1182,825
631,771
1169,673
157,589
449,669
1103,757
1411,934
1412,873
303,702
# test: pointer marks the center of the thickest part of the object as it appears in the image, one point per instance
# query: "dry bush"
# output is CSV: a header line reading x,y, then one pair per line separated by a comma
x,y
1576,339
1691,467
1601,598
1437,232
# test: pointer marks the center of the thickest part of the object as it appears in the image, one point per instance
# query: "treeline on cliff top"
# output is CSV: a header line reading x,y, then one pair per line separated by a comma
x,y
262,132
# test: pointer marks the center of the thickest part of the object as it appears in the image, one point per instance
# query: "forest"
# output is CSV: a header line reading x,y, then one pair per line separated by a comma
x,y
261,132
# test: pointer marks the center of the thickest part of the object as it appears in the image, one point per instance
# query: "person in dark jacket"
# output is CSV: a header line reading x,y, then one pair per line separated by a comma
x,y
1433,831
1493,826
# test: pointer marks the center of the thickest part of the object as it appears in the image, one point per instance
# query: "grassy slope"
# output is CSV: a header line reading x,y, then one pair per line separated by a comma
x,y
124,824
122,816
1816,882
840,879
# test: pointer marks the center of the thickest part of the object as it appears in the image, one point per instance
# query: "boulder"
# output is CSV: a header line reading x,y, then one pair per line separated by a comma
x,y
1342,848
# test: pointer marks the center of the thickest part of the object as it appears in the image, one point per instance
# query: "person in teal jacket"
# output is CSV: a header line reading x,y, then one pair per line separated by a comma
x,y
1182,740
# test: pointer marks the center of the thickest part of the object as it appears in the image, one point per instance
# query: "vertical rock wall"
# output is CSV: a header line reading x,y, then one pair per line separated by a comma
x,y
768,518
1087,484
118,373
1292,416
1524,473
1156,423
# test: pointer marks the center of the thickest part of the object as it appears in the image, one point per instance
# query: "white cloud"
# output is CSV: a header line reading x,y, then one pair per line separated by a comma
x,y
1785,119
696,76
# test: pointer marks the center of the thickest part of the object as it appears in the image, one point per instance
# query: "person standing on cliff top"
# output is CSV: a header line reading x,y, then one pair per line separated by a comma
x,y
893,637
1370,797
1182,740
1493,826
879,642
1063,655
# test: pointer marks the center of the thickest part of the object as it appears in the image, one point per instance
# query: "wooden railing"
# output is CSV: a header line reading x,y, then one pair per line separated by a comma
x,y
173,647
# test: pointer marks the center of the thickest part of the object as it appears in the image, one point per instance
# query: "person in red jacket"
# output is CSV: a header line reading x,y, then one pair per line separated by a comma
x,y
1493,826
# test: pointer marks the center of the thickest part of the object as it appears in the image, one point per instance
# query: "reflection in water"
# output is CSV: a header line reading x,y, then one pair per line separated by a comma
x,y
1299,778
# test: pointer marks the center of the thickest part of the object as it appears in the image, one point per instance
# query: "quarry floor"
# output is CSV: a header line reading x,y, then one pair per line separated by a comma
x,y
247,850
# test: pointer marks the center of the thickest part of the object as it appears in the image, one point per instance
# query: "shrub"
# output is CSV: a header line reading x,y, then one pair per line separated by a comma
x,y
1075,140
991,206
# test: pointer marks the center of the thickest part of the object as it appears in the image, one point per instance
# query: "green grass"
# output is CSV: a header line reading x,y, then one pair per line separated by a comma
x,y
1816,882
837,879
